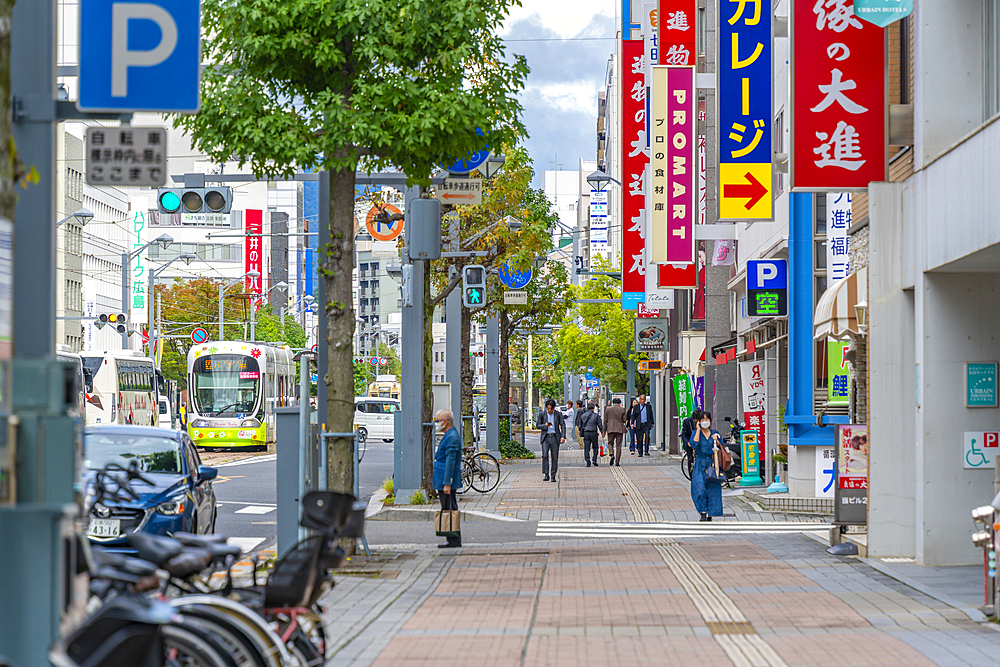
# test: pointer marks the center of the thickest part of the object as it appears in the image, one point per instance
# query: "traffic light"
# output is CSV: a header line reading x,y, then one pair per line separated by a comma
x,y
194,200
118,320
473,286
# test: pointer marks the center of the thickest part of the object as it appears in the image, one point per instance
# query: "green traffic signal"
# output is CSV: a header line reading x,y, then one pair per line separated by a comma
x,y
170,202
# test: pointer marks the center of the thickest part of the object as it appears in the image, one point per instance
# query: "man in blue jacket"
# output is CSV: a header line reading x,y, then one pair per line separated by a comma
x,y
448,469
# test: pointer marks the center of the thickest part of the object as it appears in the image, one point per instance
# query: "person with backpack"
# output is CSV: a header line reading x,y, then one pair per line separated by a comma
x,y
706,485
591,426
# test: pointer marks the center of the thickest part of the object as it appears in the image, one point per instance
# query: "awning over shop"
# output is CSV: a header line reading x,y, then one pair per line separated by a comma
x,y
835,315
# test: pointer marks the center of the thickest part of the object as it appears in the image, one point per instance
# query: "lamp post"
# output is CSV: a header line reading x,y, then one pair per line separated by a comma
x,y
253,308
599,180
83,216
163,241
252,273
187,258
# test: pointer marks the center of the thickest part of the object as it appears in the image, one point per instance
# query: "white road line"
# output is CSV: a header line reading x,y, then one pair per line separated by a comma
x,y
631,531
243,502
255,509
255,459
246,543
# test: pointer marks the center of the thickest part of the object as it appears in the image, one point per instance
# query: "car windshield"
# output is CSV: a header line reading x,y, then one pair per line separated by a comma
x,y
225,385
154,453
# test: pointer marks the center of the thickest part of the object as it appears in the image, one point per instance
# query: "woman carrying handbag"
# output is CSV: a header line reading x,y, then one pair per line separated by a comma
x,y
706,477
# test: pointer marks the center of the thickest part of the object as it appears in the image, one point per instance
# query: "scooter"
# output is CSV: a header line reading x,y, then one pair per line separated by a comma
x,y
732,443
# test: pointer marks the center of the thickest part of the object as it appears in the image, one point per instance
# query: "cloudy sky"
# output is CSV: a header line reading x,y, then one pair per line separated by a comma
x,y
567,69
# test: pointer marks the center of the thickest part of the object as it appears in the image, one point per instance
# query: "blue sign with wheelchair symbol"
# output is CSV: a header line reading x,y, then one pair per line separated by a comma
x,y
980,449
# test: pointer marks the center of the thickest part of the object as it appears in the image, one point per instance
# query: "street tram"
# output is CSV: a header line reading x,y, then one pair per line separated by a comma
x,y
234,388
122,388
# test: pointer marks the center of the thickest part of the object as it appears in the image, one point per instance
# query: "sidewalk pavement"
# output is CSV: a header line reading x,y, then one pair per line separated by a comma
x,y
735,592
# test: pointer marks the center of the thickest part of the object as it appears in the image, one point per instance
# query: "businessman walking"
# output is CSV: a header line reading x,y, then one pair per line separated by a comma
x,y
552,426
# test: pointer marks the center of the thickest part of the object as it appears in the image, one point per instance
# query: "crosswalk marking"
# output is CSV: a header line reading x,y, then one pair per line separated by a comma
x,y
245,543
679,529
255,509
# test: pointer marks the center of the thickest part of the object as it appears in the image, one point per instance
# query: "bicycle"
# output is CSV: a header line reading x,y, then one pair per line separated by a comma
x,y
480,471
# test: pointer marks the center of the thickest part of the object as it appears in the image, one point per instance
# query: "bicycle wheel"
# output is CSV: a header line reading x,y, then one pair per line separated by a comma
x,y
468,470
187,646
686,465
237,642
486,472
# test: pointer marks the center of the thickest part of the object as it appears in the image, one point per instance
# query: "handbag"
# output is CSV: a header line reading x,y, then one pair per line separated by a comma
x,y
712,473
447,523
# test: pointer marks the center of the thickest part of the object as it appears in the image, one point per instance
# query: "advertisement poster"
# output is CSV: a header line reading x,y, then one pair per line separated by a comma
x,y
651,334
851,496
838,373
753,388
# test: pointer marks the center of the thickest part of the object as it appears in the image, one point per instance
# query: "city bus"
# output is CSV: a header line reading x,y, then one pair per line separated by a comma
x,y
122,388
233,390
385,386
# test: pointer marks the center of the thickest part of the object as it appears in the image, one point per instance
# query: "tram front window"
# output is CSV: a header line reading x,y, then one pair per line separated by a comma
x,y
226,385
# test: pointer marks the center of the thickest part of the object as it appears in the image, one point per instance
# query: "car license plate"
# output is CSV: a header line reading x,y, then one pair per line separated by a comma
x,y
104,528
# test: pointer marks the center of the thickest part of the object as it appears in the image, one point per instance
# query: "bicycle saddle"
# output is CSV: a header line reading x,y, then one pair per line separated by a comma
x,y
154,548
188,563
214,544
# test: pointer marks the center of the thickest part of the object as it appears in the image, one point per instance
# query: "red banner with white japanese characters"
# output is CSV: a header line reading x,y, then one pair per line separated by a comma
x,y
635,157
253,255
676,21
838,79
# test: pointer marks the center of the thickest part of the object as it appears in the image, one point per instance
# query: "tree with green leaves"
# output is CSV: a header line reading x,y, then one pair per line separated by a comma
x,y
337,85
597,335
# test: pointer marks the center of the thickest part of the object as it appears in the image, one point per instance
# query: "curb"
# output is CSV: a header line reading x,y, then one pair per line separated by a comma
x,y
973,613
427,514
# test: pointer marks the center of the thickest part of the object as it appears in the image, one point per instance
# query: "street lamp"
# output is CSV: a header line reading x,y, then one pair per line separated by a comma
x,y
508,221
163,241
253,307
252,273
599,180
187,258
83,216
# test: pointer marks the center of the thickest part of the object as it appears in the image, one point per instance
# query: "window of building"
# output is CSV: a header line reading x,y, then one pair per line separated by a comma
x,y
374,267
363,268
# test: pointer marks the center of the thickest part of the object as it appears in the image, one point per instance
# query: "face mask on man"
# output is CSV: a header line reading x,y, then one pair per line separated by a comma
x,y
706,424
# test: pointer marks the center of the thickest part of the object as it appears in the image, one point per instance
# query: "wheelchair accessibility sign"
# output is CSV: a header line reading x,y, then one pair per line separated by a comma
x,y
980,449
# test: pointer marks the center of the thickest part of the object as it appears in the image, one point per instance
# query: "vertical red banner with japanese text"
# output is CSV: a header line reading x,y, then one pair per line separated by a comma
x,y
635,157
253,253
676,20
839,98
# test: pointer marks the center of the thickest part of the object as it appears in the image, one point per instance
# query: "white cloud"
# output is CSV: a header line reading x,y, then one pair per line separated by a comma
x,y
564,17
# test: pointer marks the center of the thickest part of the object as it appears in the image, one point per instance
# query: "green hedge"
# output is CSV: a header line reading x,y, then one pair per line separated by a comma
x,y
515,450
504,428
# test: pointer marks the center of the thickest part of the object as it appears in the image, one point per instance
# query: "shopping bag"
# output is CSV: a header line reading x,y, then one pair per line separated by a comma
x,y
712,473
447,523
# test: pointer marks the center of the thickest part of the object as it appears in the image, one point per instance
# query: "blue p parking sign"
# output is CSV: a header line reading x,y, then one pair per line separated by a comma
x,y
140,56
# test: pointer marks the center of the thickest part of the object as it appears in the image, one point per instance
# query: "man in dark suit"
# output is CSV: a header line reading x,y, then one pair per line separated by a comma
x,y
552,426
643,417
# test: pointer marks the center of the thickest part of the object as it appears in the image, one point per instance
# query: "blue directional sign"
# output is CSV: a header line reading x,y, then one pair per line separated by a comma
x,y
471,163
767,274
514,279
140,56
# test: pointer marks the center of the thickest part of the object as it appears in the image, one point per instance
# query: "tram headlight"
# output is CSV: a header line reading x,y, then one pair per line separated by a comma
x,y
250,423
200,423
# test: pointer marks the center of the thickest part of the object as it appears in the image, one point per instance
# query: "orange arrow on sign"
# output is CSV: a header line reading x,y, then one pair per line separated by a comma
x,y
451,196
752,189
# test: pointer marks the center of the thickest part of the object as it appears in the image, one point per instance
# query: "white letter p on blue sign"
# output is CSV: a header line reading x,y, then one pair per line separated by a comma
x,y
767,274
122,57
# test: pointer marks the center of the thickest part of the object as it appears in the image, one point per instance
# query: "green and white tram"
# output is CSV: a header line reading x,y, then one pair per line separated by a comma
x,y
233,390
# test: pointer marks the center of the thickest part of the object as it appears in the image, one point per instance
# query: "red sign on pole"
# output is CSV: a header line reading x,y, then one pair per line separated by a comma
x,y
635,156
839,98
253,253
676,20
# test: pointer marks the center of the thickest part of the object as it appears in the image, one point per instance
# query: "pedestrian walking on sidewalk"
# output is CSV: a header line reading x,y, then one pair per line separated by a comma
x,y
576,423
643,425
630,424
569,414
590,424
552,427
448,469
688,427
707,496
614,430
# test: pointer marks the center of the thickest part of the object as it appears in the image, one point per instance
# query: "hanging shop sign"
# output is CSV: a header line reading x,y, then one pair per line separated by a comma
x,y
683,395
838,243
839,99
883,12
744,111
753,387
673,159
838,373
635,157
651,335
676,22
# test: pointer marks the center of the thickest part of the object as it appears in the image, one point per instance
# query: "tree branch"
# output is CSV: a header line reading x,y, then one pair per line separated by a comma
x,y
447,290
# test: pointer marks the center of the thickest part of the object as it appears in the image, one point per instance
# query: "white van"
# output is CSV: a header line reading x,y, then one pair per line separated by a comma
x,y
375,417
164,420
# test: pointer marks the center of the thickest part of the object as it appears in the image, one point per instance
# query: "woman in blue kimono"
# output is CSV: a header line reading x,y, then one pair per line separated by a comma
x,y
707,496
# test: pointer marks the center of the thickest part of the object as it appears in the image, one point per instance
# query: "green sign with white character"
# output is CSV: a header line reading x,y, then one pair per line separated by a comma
x,y
981,384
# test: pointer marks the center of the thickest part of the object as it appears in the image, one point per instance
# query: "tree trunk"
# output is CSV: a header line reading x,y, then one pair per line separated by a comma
x,y
7,196
469,426
428,402
336,267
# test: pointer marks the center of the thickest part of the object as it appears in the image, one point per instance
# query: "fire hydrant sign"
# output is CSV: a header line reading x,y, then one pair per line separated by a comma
x,y
127,156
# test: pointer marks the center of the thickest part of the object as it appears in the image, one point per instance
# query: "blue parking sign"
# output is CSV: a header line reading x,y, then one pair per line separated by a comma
x,y
140,56
767,274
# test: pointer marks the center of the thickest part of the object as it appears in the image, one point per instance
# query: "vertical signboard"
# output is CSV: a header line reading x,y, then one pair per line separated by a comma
x,y
672,166
254,255
676,20
851,495
838,98
683,395
754,391
139,305
635,157
838,243
744,111
598,221
749,459
837,373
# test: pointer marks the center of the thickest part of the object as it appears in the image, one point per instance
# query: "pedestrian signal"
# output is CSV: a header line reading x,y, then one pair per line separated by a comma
x,y
474,286
117,320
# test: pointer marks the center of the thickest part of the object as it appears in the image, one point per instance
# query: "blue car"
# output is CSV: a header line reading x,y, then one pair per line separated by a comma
x,y
181,498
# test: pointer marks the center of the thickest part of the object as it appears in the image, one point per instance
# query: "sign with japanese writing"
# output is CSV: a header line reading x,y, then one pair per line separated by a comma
x,y
676,21
598,221
826,471
254,254
749,459
744,111
851,491
460,191
672,166
753,387
838,373
139,304
126,156
980,449
646,312
838,243
981,384
883,12
839,98
635,157
683,395
651,335
515,297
